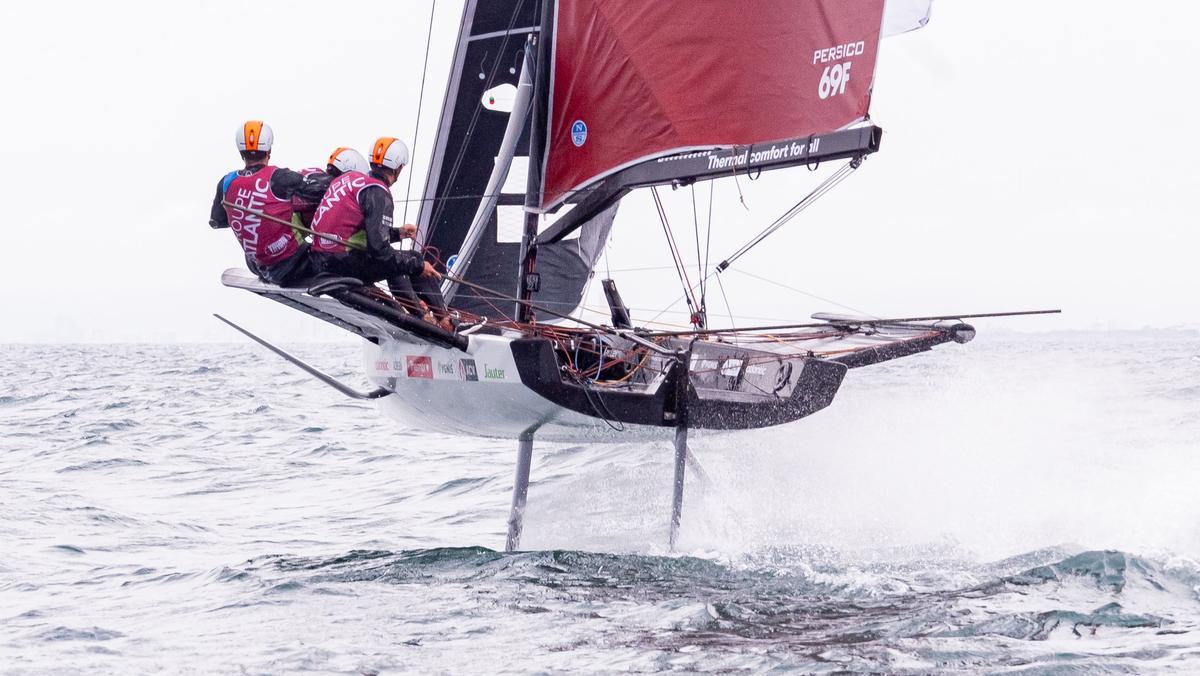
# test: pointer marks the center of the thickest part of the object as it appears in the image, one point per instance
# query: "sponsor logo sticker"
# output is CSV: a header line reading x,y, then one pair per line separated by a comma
x,y
491,373
834,77
467,370
419,367
578,133
278,245
446,368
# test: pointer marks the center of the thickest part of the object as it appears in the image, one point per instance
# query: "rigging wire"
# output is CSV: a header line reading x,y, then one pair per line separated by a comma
x,y
804,293
818,192
604,312
707,240
703,307
667,310
733,171
420,105
825,186
728,307
676,257
462,150
674,302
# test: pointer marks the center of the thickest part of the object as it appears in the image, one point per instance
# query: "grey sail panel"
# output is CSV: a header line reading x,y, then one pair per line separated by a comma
x,y
568,263
565,266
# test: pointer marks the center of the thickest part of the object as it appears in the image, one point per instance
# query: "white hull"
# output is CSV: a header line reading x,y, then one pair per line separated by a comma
x,y
435,389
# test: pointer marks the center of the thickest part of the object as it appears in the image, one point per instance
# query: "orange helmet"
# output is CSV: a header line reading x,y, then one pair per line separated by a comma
x,y
254,135
389,152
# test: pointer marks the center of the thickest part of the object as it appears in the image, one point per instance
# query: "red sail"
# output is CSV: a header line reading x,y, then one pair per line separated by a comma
x,y
638,79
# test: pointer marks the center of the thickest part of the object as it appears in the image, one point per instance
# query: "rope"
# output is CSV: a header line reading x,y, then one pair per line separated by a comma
x,y
433,253
733,171
420,101
598,406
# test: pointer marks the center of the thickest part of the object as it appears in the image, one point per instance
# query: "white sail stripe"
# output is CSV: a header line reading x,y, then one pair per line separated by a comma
x,y
497,34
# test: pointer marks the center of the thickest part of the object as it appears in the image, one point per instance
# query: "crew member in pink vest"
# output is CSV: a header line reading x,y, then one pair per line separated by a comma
x,y
357,209
274,251
317,179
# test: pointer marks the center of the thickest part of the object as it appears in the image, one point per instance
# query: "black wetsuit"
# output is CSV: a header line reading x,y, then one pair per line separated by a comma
x,y
380,262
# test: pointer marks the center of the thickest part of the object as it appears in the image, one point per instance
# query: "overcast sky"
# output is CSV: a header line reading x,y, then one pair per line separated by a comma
x,y
1037,154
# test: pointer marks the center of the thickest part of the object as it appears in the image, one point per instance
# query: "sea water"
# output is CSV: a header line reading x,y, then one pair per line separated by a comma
x,y
1026,504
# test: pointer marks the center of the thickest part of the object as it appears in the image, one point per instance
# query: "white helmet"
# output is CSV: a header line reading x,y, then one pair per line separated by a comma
x,y
389,152
254,135
348,159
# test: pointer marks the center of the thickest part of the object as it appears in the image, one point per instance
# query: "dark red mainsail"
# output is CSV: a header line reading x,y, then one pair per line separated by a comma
x,y
636,79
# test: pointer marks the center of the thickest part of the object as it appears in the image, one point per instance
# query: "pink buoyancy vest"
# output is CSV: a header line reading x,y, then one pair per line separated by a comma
x,y
339,213
264,240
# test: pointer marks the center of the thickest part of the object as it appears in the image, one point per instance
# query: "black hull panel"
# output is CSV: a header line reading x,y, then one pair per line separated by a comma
x,y
814,389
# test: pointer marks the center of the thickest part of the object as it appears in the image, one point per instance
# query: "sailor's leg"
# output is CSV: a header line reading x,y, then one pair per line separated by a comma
x,y
402,291
516,514
431,292
681,454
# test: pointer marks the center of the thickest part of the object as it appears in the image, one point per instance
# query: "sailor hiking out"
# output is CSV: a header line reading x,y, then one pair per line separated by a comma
x,y
317,179
275,252
357,208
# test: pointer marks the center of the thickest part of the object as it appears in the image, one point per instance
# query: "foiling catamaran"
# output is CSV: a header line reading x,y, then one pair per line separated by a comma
x,y
555,110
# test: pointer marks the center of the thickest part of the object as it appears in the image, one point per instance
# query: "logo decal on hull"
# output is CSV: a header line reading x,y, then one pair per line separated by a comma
x,y
419,367
490,373
467,371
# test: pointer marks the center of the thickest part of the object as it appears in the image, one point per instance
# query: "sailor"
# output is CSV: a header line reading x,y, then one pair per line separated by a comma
x,y
357,208
274,251
316,181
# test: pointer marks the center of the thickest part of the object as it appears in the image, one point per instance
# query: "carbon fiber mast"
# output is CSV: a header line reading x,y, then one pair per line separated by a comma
x,y
528,280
